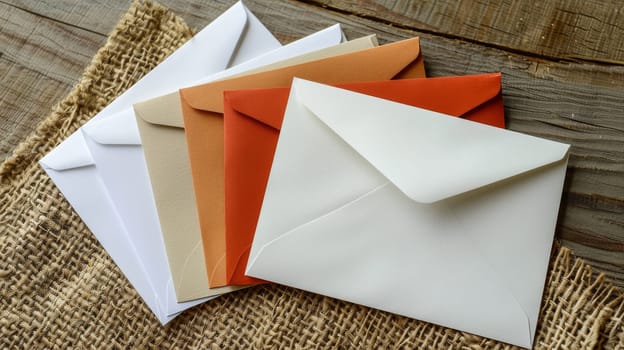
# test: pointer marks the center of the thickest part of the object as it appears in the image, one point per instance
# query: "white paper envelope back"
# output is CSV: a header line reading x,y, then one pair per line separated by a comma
x,y
97,211
117,154
410,211
234,37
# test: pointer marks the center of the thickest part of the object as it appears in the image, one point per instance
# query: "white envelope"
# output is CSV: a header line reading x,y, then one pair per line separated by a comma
x,y
115,147
234,37
410,211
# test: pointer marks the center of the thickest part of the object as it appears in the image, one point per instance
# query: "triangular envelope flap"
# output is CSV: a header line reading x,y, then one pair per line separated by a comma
x,y
332,34
390,59
255,40
118,129
225,33
164,110
429,156
263,105
69,154
482,88
276,57
267,105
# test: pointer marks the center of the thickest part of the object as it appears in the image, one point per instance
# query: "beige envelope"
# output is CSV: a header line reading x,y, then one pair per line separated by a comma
x,y
161,127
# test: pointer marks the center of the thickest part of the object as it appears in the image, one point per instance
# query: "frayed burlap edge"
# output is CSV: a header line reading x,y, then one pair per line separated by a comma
x,y
580,309
59,289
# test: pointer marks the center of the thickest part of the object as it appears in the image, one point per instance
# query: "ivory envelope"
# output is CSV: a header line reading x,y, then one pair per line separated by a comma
x,y
164,149
202,107
252,119
234,37
410,211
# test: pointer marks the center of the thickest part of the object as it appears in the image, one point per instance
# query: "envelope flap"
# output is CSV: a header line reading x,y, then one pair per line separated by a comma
x,y
387,60
118,129
449,157
481,87
164,110
69,154
229,29
263,105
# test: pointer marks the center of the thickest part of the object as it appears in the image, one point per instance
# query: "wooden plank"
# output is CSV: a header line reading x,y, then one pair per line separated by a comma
x,y
23,93
40,61
559,29
97,17
556,29
101,17
579,103
35,42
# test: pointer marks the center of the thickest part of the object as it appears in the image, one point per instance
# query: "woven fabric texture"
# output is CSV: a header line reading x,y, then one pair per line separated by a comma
x,y
59,289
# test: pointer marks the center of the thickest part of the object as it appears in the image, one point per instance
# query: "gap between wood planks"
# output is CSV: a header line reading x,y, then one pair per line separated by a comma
x,y
570,59
321,5
52,19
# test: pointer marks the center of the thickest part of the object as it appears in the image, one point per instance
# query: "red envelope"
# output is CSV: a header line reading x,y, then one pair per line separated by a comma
x,y
252,120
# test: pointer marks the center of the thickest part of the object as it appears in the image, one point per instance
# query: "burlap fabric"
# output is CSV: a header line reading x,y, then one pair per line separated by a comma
x,y
59,288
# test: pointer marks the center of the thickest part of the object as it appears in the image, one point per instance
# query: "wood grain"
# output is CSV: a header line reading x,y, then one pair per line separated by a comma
x,y
570,89
40,60
556,29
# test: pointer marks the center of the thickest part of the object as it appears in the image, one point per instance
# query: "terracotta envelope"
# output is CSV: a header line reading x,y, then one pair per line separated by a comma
x,y
252,120
161,127
202,107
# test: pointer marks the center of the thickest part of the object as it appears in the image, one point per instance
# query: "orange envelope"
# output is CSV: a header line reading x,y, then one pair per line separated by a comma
x,y
253,119
202,107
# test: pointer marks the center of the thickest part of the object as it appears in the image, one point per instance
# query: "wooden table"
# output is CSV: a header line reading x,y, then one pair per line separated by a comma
x,y
562,64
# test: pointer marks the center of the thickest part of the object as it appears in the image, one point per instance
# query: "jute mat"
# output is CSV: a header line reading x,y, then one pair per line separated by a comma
x,y
59,288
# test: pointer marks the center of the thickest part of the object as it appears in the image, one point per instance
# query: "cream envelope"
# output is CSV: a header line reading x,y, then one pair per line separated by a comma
x,y
164,146
410,211
234,37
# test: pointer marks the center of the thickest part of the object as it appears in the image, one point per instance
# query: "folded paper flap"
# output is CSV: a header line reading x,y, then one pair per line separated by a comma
x,y
307,56
332,34
482,88
69,154
263,105
209,96
279,56
164,110
118,129
267,105
390,58
429,156
231,23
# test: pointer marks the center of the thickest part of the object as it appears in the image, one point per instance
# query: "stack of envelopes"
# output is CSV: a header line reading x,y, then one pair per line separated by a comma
x,y
328,165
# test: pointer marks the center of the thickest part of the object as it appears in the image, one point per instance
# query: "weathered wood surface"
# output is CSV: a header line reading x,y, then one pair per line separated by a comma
x,y
40,59
562,64
555,29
